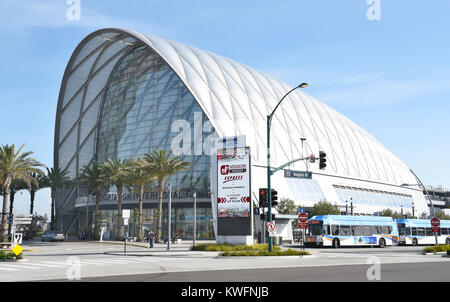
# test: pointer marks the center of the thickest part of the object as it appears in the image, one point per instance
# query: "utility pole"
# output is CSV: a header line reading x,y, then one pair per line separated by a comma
x,y
169,215
195,217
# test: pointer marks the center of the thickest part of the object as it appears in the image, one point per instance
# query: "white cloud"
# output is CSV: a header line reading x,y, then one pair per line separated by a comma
x,y
355,90
19,16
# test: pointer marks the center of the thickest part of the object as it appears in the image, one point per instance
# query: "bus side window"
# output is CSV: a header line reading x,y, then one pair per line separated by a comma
x,y
367,230
408,232
335,229
377,230
357,231
345,230
428,232
414,231
387,229
420,231
444,231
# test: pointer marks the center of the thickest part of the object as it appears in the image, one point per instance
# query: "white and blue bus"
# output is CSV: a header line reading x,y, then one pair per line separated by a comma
x,y
418,231
345,230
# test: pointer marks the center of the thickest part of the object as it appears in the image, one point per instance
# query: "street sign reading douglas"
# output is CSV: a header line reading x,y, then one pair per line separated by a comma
x,y
297,174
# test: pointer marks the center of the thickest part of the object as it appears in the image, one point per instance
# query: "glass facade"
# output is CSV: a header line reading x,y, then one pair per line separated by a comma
x,y
147,107
373,197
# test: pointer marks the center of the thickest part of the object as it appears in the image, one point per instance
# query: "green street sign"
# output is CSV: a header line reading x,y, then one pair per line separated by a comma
x,y
297,174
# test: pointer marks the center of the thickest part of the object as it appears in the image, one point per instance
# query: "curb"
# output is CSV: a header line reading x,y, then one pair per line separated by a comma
x,y
437,253
264,257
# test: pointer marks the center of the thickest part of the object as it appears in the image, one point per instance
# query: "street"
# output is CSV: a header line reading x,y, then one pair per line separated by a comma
x,y
92,261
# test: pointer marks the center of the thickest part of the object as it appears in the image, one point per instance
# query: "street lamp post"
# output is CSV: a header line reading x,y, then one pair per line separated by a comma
x,y
419,183
269,173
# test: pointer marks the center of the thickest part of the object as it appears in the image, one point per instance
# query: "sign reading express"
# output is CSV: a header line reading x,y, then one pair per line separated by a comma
x,y
233,183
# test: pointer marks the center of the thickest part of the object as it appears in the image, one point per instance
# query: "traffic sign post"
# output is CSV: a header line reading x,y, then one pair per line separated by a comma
x,y
303,224
435,225
271,227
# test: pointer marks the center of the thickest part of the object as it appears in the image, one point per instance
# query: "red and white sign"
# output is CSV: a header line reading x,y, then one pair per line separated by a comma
x,y
233,183
302,225
302,217
435,222
271,226
435,225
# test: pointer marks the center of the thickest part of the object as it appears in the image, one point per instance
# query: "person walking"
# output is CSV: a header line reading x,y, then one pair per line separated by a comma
x,y
151,238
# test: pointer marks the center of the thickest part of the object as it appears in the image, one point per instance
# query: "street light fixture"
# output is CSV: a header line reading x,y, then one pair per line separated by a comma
x,y
419,183
269,174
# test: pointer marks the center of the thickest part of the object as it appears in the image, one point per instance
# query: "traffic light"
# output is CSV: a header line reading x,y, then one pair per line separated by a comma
x,y
274,194
263,198
322,160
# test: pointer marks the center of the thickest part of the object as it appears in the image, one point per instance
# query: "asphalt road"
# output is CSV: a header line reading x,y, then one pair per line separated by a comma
x,y
403,272
84,261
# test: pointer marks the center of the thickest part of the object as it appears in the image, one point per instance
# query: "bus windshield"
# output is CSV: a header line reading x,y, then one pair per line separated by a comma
x,y
315,228
401,229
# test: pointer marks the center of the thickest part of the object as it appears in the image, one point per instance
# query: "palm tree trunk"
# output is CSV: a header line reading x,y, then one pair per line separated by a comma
x,y
52,224
159,216
119,233
11,208
32,193
4,209
96,222
141,197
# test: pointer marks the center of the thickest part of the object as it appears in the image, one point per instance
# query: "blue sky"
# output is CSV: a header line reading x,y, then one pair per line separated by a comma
x,y
390,76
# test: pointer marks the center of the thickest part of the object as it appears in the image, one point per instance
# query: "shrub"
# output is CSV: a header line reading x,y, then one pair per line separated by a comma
x,y
9,256
437,248
288,252
232,248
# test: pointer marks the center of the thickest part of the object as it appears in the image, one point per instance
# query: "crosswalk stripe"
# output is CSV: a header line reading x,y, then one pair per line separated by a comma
x,y
60,263
19,266
7,269
47,265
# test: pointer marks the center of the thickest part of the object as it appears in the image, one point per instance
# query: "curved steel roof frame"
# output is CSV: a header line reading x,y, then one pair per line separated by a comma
x,y
235,98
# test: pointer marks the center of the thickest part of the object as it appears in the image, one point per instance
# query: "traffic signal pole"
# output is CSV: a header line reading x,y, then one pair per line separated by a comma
x,y
269,172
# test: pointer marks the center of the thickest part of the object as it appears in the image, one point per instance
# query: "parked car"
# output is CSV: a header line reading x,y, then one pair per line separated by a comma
x,y
52,236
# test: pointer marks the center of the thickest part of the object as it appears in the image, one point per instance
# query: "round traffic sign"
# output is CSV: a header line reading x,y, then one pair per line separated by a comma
x,y
303,217
435,222
271,226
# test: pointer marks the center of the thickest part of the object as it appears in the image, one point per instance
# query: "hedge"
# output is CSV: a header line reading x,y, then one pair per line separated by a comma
x,y
9,256
437,248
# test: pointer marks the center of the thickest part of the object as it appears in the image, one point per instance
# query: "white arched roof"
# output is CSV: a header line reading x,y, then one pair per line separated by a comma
x,y
236,99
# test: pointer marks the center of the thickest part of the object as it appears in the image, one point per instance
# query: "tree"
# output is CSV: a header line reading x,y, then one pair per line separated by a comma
x,y
57,178
16,186
140,176
117,174
442,216
95,178
14,165
41,182
162,164
287,207
325,208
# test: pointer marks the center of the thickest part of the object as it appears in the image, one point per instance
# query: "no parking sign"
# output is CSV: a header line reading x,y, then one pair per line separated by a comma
x,y
271,228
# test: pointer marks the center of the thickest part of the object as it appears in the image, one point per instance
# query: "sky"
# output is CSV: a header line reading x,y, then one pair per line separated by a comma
x,y
384,64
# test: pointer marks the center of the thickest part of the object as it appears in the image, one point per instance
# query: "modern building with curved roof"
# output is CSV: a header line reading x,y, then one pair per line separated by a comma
x,y
125,94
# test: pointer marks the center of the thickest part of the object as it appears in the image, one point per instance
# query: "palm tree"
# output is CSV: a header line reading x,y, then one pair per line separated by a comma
x,y
14,165
16,186
162,164
57,178
140,176
117,174
41,182
95,178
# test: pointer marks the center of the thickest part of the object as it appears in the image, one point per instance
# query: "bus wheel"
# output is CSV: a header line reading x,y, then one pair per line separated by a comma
x,y
414,242
382,243
336,243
